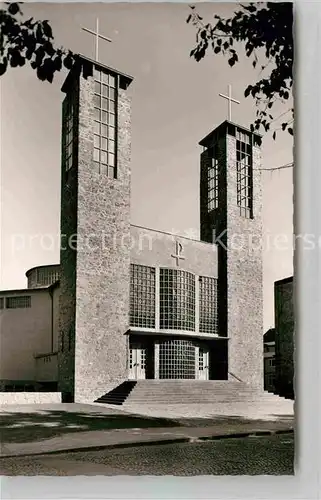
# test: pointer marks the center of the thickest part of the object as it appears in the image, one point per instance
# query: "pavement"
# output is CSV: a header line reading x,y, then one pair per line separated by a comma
x,y
264,455
48,429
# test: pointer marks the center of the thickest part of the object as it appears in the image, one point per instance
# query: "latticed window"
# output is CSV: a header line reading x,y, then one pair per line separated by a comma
x,y
1,303
47,276
177,359
105,102
23,301
177,299
213,184
142,296
70,132
244,173
208,322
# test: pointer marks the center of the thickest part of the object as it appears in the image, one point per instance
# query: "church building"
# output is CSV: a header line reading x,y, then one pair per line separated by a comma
x,y
135,303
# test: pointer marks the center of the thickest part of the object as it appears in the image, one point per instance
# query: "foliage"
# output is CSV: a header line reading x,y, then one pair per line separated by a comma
x,y
260,27
30,42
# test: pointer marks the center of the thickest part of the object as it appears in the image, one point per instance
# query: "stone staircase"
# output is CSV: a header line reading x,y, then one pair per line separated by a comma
x,y
212,397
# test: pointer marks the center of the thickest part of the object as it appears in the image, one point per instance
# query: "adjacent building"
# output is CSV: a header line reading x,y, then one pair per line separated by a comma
x,y
269,360
284,337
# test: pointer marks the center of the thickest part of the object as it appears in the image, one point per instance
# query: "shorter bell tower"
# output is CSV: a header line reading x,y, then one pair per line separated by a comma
x,y
231,217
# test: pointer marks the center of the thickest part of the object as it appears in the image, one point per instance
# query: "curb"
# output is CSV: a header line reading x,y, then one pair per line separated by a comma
x,y
159,442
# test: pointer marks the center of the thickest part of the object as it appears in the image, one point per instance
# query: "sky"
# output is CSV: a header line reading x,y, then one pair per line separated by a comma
x,y
175,103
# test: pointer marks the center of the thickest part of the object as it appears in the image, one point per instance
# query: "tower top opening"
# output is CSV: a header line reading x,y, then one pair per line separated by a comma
x,y
86,65
227,127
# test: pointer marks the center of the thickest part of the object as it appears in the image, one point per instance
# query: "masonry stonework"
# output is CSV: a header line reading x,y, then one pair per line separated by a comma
x,y
96,317
156,248
244,275
240,269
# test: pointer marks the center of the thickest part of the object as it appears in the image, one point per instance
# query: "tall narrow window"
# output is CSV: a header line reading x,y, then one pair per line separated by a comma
x,y
244,174
105,103
142,296
69,131
213,184
208,317
177,299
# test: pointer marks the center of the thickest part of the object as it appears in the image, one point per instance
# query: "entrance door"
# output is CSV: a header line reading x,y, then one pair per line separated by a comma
x,y
203,363
137,362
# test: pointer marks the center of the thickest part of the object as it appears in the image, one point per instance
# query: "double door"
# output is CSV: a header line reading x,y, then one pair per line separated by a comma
x,y
137,361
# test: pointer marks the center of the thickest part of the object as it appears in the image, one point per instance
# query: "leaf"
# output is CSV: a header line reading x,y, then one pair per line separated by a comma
x,y
274,135
47,29
3,66
231,61
284,125
13,9
189,18
39,34
41,74
290,130
68,61
247,91
57,63
15,58
217,50
49,48
249,8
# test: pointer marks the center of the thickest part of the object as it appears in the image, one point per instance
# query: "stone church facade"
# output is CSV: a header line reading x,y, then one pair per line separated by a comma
x,y
135,303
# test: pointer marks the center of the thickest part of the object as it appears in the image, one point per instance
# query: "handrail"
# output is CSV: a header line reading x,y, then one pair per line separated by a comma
x,y
237,378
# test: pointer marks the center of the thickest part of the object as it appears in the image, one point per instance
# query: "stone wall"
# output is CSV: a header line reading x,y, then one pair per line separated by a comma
x,y
244,275
29,398
150,248
240,270
284,337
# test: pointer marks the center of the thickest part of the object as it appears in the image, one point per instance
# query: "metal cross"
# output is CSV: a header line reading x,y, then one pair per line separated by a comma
x,y
97,36
230,100
178,255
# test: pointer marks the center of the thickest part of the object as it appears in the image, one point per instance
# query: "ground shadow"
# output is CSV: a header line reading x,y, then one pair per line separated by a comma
x,y
36,426
235,421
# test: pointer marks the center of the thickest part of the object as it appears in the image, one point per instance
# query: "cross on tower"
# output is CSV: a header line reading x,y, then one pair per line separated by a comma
x,y
178,255
230,100
97,36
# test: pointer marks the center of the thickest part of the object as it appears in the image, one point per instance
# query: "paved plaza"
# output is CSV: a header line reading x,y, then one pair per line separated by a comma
x,y
46,429
268,455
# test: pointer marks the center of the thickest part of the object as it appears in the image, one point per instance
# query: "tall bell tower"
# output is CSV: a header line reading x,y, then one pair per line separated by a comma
x,y
95,230
231,216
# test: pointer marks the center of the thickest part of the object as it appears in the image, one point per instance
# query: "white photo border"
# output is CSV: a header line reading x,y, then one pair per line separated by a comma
x,y
306,483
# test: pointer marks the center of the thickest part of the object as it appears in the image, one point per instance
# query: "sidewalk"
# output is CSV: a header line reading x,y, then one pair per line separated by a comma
x,y
111,429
